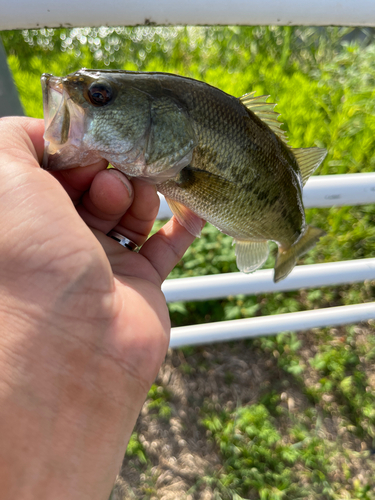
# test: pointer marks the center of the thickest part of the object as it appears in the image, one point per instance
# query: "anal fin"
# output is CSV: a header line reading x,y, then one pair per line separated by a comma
x,y
188,219
251,254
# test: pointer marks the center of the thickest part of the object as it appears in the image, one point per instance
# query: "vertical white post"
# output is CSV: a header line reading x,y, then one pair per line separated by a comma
x,y
9,101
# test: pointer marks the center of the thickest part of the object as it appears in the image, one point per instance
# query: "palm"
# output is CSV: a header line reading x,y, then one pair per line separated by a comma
x,y
101,314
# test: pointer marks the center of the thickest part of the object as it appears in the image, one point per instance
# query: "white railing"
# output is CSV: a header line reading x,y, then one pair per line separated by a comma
x,y
270,325
219,286
324,191
320,191
23,14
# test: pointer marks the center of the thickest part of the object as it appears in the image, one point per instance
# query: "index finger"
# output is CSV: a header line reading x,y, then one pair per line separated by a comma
x,y
77,181
23,136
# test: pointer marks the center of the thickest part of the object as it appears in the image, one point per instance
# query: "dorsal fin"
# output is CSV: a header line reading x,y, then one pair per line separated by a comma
x,y
308,160
264,110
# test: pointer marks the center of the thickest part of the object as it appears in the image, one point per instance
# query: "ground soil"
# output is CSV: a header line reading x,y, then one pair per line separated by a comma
x,y
223,376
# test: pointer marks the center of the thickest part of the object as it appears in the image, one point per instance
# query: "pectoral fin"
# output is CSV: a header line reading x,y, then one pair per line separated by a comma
x,y
186,217
250,254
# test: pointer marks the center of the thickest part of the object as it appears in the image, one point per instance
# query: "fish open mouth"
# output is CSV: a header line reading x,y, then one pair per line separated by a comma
x,y
64,125
56,115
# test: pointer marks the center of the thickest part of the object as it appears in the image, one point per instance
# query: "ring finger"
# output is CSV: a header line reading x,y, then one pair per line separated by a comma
x,y
137,222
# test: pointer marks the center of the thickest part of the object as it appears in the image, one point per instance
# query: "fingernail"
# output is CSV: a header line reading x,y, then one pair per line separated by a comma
x,y
124,180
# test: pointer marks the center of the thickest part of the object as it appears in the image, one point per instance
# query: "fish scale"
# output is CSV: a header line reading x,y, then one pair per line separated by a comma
x,y
213,156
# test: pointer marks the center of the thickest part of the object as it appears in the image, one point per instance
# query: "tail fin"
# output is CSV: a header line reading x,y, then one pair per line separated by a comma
x,y
287,259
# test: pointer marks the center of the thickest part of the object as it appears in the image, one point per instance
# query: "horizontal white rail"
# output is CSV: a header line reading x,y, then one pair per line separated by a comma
x,y
324,191
311,276
270,325
21,14
339,190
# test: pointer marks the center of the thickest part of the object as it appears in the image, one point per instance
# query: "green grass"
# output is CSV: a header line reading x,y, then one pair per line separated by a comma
x,y
324,88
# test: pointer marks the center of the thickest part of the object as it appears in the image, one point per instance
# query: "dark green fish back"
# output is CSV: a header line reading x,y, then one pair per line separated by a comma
x,y
242,178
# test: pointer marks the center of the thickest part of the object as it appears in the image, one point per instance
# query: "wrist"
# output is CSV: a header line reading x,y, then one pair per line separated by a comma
x,y
55,410
61,426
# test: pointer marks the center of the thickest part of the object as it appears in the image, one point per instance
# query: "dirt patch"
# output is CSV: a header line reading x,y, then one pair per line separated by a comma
x,y
221,377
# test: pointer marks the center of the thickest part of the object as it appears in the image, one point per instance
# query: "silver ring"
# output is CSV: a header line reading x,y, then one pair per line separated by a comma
x,y
123,240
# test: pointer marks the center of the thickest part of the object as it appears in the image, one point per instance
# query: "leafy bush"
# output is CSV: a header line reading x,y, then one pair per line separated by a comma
x,y
258,461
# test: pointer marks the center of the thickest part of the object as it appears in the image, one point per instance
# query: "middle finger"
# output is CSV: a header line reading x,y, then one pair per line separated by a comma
x,y
109,197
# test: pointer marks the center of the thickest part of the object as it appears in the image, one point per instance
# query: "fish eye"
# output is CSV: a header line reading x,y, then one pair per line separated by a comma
x,y
100,94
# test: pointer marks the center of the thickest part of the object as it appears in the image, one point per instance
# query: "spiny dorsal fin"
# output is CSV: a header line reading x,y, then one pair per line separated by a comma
x,y
308,160
264,110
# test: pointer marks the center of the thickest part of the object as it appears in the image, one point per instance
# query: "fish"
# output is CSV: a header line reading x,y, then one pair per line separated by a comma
x,y
213,156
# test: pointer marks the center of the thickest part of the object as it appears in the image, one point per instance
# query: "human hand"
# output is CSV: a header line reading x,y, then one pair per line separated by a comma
x,y
84,325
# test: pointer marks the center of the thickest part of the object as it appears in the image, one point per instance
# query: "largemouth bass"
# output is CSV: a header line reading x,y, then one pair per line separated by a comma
x,y
213,156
